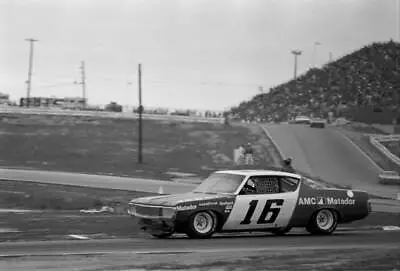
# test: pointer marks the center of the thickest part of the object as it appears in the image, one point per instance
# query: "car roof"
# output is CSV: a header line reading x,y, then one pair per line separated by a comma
x,y
258,172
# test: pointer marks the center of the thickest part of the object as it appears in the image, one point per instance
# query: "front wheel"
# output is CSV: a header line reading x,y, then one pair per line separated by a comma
x,y
324,221
202,224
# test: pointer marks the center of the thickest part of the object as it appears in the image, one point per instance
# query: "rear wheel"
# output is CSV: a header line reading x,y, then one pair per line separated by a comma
x,y
202,224
324,221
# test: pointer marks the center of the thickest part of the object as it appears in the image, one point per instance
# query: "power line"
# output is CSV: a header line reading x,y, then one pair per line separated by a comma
x,y
56,85
204,83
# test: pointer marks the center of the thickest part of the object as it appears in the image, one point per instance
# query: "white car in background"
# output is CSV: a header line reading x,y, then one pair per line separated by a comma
x,y
302,120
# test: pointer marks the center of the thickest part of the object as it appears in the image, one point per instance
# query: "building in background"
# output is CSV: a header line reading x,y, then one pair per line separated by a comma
x,y
61,103
4,99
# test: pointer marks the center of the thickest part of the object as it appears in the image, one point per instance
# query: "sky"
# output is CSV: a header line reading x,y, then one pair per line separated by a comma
x,y
198,54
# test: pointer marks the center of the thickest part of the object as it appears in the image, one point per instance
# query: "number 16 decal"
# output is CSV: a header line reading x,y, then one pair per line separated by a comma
x,y
266,210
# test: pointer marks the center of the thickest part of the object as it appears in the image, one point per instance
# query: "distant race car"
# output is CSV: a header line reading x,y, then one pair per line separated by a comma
x,y
250,200
317,123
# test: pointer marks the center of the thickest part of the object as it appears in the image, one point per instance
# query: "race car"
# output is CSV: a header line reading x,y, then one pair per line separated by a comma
x,y
250,201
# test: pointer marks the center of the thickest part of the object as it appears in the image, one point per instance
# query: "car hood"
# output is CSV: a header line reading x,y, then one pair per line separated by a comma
x,y
175,199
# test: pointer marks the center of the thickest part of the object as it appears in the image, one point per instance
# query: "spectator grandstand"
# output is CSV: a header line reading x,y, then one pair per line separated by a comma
x,y
362,86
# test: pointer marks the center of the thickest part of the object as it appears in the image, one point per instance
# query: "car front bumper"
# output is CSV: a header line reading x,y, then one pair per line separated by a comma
x,y
154,218
157,225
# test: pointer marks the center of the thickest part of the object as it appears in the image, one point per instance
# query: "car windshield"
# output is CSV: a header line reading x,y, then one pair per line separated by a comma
x,y
220,183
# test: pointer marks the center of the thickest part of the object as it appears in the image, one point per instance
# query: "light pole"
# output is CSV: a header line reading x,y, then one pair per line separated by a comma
x,y
296,53
29,81
315,53
398,20
83,74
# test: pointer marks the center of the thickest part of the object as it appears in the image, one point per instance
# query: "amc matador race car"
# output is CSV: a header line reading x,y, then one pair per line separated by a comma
x,y
250,200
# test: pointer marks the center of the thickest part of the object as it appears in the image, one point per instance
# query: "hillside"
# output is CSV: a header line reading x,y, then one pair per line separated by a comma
x,y
367,80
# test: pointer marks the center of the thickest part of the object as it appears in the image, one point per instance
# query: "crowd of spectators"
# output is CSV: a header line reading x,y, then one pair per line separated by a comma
x,y
367,78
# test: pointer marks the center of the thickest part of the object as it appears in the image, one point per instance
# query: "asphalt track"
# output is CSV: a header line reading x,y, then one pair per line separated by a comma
x,y
267,242
321,152
330,155
99,181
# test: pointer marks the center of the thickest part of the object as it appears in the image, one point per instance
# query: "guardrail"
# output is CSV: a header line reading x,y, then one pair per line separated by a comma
x,y
394,137
389,177
375,141
102,114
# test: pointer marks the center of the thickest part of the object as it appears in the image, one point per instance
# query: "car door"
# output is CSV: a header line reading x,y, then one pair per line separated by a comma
x,y
271,205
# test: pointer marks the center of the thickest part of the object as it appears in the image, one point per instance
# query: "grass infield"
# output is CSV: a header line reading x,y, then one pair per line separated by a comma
x,y
110,146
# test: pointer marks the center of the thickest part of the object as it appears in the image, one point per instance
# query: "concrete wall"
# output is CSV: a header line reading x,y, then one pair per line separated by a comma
x,y
390,129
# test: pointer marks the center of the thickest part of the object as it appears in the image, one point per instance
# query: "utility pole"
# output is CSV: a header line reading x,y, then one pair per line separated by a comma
x,y
83,82
140,114
29,81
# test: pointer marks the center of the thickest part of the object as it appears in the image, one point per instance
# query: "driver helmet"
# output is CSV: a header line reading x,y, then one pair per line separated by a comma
x,y
288,161
251,183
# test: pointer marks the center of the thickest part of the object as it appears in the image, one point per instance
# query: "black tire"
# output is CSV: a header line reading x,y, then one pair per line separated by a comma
x,y
194,228
162,235
323,222
281,231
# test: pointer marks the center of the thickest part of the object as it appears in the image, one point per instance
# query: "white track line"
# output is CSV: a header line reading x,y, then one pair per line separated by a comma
x,y
391,228
361,151
204,250
273,141
78,236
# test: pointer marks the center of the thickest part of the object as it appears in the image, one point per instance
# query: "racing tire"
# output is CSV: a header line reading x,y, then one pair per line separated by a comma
x,y
323,222
162,235
281,231
202,225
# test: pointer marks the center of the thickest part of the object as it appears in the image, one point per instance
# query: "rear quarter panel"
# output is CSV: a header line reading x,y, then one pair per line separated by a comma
x,y
350,205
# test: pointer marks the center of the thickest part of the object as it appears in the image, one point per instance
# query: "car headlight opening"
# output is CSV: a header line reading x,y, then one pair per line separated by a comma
x,y
168,212
132,209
